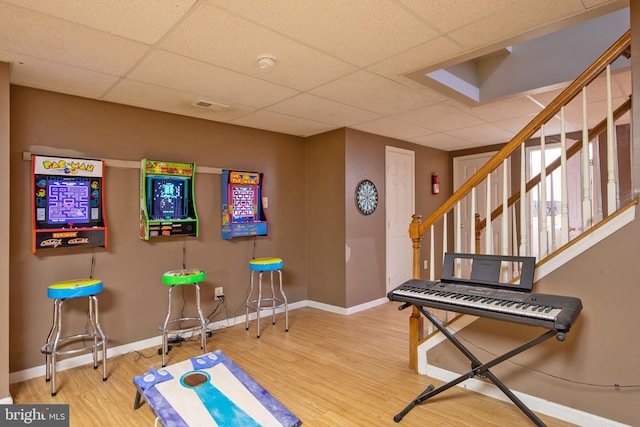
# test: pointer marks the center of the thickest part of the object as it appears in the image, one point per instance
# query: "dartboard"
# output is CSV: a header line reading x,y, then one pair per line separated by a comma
x,y
366,197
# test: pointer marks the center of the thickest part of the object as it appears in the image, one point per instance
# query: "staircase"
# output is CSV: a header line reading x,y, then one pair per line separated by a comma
x,y
552,209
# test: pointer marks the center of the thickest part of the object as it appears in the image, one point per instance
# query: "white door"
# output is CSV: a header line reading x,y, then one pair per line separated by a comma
x,y
463,168
399,207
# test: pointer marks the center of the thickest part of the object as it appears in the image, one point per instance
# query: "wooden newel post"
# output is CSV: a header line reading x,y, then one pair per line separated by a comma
x,y
416,323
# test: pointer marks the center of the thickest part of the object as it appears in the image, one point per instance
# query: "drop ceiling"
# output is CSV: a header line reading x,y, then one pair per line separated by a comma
x,y
338,63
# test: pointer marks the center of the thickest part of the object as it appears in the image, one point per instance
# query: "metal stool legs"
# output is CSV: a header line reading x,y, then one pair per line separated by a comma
x,y
267,302
165,328
54,342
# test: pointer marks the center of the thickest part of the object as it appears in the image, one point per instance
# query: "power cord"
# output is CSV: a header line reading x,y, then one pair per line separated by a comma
x,y
615,385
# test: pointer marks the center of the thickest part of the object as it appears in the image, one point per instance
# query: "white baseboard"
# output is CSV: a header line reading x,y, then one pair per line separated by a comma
x,y
6,401
537,404
345,311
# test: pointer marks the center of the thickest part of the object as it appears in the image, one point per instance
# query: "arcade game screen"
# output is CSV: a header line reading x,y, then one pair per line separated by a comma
x,y
242,213
168,198
67,203
167,203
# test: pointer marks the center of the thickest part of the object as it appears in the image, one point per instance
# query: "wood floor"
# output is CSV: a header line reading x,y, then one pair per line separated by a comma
x,y
329,370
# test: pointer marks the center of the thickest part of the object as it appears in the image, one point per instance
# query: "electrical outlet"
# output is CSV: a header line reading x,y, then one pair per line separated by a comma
x,y
219,292
426,264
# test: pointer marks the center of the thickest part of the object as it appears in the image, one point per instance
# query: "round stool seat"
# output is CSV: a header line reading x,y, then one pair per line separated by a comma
x,y
183,277
74,288
265,264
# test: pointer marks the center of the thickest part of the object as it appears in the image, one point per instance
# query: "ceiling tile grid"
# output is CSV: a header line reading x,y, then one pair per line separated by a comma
x,y
337,63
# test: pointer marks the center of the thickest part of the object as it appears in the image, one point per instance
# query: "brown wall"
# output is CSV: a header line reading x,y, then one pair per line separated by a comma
x,y
134,300
309,182
4,230
600,350
366,238
324,186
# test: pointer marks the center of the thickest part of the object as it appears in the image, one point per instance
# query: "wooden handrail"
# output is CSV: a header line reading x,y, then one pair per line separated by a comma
x,y
575,148
417,229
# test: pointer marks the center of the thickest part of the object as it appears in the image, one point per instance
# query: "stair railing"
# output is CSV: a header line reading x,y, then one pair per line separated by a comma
x,y
418,228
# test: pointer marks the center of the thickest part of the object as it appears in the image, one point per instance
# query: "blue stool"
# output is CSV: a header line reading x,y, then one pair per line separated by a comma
x,y
180,278
60,292
261,302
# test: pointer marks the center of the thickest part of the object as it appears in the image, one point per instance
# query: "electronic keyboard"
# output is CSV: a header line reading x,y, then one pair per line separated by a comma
x,y
549,311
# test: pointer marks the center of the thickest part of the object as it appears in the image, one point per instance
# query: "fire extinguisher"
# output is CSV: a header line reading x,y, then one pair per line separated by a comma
x,y
435,183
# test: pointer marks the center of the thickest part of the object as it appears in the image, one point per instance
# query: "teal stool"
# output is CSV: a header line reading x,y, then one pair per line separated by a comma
x,y
55,343
262,302
181,278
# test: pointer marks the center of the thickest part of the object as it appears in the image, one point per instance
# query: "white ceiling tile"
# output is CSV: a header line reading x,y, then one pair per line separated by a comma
x,y
483,134
23,31
416,58
275,122
522,16
593,3
387,96
393,128
505,109
438,12
144,95
142,20
359,32
516,124
203,80
339,63
442,141
441,118
32,72
323,110
220,38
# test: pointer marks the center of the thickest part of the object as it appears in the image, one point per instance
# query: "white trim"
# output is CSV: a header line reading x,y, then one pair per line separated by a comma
x,y
564,413
366,306
6,401
534,403
588,241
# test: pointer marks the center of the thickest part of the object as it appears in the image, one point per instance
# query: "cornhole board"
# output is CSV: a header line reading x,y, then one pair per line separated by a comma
x,y
210,390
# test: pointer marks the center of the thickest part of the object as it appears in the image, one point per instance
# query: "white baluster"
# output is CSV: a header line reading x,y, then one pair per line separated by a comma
x,y
458,244
587,219
542,208
524,211
445,242
612,197
473,221
564,231
488,230
504,231
552,211
432,266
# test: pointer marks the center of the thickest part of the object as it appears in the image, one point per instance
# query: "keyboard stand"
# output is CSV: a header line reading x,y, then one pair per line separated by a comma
x,y
478,368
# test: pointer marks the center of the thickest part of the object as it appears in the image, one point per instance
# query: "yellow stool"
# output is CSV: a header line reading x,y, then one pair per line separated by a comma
x,y
178,278
261,302
60,292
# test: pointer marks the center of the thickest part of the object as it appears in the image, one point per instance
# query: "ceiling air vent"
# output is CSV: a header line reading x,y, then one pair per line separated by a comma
x,y
210,105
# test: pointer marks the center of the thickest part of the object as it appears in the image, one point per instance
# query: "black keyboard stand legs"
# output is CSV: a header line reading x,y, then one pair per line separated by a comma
x,y
478,368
